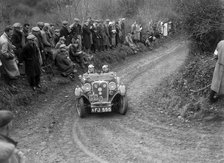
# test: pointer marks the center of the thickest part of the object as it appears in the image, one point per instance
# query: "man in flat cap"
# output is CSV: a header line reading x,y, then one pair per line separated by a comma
x,y
64,63
8,151
31,56
26,30
64,31
86,34
60,42
36,32
40,25
18,39
56,36
76,31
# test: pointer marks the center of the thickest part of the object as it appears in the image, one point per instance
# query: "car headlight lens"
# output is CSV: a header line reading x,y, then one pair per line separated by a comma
x,y
87,87
112,86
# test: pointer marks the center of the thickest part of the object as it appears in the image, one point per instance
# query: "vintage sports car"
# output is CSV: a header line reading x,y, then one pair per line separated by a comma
x,y
100,93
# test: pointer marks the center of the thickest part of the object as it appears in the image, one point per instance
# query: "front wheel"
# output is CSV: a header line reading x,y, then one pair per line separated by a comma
x,y
123,105
80,107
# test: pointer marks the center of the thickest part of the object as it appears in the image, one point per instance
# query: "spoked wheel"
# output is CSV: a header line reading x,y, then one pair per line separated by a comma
x,y
80,107
123,105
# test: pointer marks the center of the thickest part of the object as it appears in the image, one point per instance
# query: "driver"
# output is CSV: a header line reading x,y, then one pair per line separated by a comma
x,y
105,69
91,69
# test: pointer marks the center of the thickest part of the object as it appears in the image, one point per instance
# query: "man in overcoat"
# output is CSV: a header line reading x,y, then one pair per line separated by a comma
x,y
76,31
31,56
64,63
18,39
9,63
64,31
86,37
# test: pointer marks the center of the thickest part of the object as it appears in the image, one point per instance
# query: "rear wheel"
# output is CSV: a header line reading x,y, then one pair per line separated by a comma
x,y
123,105
80,107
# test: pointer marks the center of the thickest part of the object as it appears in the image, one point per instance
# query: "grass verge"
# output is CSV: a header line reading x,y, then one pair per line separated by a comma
x,y
185,94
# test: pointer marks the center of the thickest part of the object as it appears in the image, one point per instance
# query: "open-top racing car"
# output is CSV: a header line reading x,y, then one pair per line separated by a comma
x,y
100,93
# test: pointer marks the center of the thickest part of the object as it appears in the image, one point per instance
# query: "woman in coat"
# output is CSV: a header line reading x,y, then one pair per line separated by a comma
x,y
217,86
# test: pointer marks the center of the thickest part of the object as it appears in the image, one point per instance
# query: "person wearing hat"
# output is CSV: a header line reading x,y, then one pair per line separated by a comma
x,y
76,31
86,37
31,56
64,31
91,69
9,66
101,34
78,56
47,43
8,151
64,63
112,33
46,36
40,25
93,36
37,33
18,39
129,41
99,38
56,36
74,53
105,69
122,30
60,42
105,40
26,30
107,32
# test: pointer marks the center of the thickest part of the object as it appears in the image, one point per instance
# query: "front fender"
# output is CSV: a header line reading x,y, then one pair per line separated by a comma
x,y
83,96
78,91
122,90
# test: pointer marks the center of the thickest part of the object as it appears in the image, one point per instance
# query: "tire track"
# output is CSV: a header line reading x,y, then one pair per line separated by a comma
x,y
83,147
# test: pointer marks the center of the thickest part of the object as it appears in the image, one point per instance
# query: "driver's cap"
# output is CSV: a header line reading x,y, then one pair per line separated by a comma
x,y
105,66
90,66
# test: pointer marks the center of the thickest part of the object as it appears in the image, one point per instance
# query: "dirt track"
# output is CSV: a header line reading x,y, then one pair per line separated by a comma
x,y
55,133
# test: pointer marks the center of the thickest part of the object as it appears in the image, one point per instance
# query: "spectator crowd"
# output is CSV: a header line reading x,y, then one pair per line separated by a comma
x,y
66,47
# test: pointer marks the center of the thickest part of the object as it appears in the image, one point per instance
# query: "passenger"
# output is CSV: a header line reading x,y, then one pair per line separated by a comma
x,y
105,69
91,69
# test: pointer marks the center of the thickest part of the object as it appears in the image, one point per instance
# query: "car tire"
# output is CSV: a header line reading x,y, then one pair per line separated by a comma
x,y
123,105
80,107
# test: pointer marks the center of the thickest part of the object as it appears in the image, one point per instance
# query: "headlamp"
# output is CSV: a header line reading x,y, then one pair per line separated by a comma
x,y
112,86
87,87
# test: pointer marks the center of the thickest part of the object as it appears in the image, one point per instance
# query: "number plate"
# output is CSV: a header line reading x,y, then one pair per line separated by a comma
x,y
101,110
